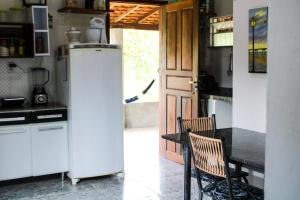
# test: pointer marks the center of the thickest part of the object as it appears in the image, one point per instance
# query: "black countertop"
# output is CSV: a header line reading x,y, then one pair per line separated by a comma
x,y
219,91
30,108
243,146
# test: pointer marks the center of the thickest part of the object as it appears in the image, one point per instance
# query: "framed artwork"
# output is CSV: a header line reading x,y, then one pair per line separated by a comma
x,y
258,35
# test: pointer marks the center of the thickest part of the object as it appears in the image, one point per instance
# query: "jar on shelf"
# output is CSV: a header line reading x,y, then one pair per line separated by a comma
x,y
71,4
99,5
4,51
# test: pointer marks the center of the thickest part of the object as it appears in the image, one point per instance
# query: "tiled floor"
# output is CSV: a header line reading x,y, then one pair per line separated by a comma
x,y
147,177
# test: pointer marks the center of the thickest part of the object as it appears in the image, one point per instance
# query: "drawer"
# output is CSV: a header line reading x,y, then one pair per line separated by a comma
x,y
49,116
14,118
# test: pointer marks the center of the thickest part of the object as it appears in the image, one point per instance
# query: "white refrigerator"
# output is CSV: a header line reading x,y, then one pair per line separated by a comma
x,y
89,78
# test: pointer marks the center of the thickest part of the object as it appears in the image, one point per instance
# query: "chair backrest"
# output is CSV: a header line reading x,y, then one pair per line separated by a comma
x,y
197,124
208,154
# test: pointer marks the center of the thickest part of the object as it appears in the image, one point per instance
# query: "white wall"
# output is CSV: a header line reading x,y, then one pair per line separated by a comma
x,y
283,111
249,90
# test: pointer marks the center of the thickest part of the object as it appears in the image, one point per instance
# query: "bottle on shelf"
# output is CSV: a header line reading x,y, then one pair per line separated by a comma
x,y
12,47
21,48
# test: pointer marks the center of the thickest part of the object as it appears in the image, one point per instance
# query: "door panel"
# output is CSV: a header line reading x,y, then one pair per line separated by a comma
x,y
179,67
171,41
179,41
186,107
187,34
171,120
179,83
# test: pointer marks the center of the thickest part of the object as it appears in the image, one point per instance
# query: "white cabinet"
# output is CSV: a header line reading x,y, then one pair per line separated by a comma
x,y
33,150
15,152
49,148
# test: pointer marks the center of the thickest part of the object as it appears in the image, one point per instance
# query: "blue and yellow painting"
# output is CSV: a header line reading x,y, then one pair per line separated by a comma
x,y
258,35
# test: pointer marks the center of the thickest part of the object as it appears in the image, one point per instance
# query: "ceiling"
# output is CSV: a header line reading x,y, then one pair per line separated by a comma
x,y
135,14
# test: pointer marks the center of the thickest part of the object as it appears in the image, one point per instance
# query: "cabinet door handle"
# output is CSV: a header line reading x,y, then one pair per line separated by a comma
x,y
5,132
51,128
50,116
11,119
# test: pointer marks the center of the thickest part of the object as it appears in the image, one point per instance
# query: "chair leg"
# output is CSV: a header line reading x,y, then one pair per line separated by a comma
x,y
199,184
200,195
246,180
231,197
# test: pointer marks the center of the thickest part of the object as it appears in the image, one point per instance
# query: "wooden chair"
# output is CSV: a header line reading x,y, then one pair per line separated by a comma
x,y
197,124
207,125
209,155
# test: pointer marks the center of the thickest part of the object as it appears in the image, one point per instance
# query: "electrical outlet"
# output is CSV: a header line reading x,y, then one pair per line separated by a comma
x,y
12,65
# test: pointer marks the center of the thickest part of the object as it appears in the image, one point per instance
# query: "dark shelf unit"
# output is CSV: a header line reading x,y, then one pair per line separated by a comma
x,y
218,91
14,57
221,26
23,31
83,11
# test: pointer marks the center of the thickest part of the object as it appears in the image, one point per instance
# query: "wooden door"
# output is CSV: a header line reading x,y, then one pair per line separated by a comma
x,y
179,63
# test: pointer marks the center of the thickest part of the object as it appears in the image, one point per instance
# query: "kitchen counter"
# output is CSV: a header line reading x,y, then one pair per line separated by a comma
x,y
220,93
30,108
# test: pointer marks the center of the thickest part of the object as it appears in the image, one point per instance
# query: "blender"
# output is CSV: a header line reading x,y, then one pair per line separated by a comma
x,y
40,77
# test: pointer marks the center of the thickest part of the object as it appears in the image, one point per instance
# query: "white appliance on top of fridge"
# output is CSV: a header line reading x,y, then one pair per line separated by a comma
x,y
89,78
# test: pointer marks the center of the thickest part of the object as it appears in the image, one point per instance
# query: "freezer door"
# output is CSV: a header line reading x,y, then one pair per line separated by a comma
x,y
96,112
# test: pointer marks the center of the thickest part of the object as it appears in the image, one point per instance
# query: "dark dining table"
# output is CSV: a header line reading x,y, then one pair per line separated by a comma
x,y
244,148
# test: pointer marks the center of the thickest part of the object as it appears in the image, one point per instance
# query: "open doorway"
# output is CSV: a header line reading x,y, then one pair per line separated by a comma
x,y
141,108
135,26
140,65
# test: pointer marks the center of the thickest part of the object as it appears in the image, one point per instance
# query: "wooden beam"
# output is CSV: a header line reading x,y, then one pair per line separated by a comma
x,y
143,18
135,26
129,11
144,2
112,5
117,4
